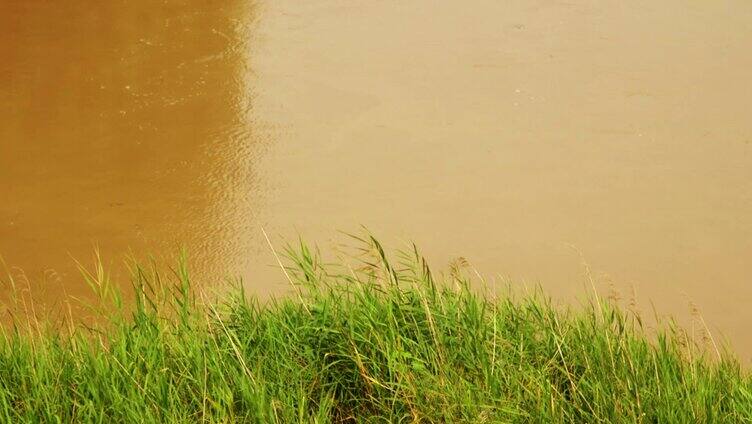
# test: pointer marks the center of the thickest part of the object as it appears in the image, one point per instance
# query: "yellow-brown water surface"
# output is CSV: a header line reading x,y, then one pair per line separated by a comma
x,y
522,135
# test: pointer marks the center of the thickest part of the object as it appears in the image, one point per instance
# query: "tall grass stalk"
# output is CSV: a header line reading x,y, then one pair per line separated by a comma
x,y
377,338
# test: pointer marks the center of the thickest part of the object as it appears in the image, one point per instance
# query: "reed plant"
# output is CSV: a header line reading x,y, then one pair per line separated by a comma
x,y
375,338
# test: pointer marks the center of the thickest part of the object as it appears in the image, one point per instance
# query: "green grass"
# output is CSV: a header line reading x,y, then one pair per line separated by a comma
x,y
377,340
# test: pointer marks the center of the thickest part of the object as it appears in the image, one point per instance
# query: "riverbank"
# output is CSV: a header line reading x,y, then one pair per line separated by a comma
x,y
376,338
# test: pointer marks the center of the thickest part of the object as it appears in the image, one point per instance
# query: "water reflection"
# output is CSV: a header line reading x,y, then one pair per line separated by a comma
x,y
124,124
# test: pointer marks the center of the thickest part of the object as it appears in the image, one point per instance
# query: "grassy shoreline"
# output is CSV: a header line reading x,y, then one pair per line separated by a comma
x,y
381,339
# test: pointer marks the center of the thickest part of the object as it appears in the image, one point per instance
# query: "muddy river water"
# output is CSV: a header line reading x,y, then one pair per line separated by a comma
x,y
526,136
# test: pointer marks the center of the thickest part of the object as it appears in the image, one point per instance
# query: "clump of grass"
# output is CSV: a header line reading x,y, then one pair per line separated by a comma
x,y
381,339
